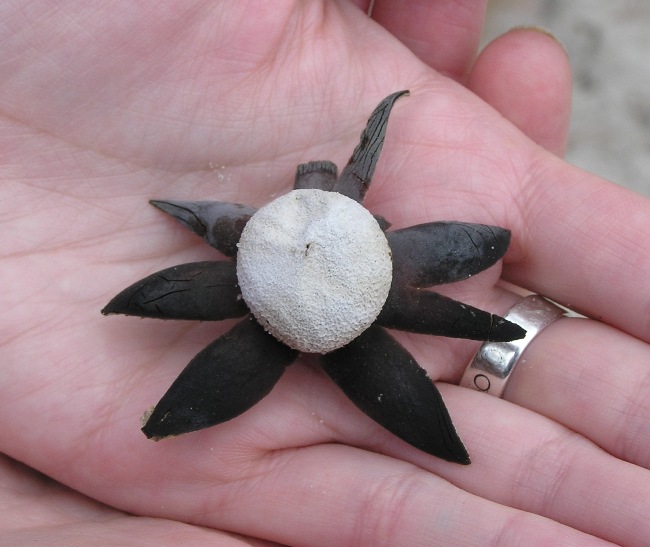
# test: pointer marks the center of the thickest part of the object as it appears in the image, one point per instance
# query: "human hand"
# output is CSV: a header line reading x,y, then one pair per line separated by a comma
x,y
38,510
106,108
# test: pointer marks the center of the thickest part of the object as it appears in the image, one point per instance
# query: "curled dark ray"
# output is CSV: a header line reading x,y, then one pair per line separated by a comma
x,y
238,369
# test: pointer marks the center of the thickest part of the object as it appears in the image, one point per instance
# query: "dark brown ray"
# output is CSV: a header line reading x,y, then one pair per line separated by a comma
x,y
319,175
427,312
218,222
204,291
225,379
383,223
386,383
443,252
357,174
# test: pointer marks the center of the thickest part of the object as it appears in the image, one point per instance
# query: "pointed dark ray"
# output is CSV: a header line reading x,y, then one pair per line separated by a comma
x,y
320,175
218,222
386,383
357,174
204,291
443,252
225,379
427,312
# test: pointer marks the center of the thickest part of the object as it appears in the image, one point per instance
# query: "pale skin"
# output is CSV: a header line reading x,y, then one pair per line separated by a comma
x,y
106,106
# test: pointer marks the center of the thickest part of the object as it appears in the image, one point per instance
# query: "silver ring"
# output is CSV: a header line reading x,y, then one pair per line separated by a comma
x,y
491,367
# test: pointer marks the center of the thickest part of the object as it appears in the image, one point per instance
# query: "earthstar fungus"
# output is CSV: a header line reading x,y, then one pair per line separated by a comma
x,y
314,271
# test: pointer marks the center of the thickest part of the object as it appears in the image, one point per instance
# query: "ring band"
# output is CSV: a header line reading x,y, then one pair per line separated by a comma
x,y
494,362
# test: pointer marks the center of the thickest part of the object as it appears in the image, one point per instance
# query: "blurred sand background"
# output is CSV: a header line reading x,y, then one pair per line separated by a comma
x,y
609,47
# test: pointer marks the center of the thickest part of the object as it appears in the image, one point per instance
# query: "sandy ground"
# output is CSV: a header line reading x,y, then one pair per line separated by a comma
x,y
609,47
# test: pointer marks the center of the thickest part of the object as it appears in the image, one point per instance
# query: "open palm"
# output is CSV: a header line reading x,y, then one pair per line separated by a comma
x,y
106,107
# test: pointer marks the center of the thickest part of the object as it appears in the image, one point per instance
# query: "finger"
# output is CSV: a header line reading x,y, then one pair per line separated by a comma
x,y
582,242
524,460
443,34
363,5
120,529
525,75
39,511
228,476
593,379
375,500
300,492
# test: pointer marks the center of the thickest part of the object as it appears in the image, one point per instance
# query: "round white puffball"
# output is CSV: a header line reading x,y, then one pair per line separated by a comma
x,y
314,268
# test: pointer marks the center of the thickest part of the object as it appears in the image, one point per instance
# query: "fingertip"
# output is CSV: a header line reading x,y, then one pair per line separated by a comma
x,y
525,74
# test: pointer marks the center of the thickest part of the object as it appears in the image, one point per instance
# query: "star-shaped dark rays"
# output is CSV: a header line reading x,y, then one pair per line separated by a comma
x,y
238,369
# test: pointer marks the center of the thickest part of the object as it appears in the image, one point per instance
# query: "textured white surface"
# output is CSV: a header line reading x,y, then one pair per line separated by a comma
x,y
315,269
